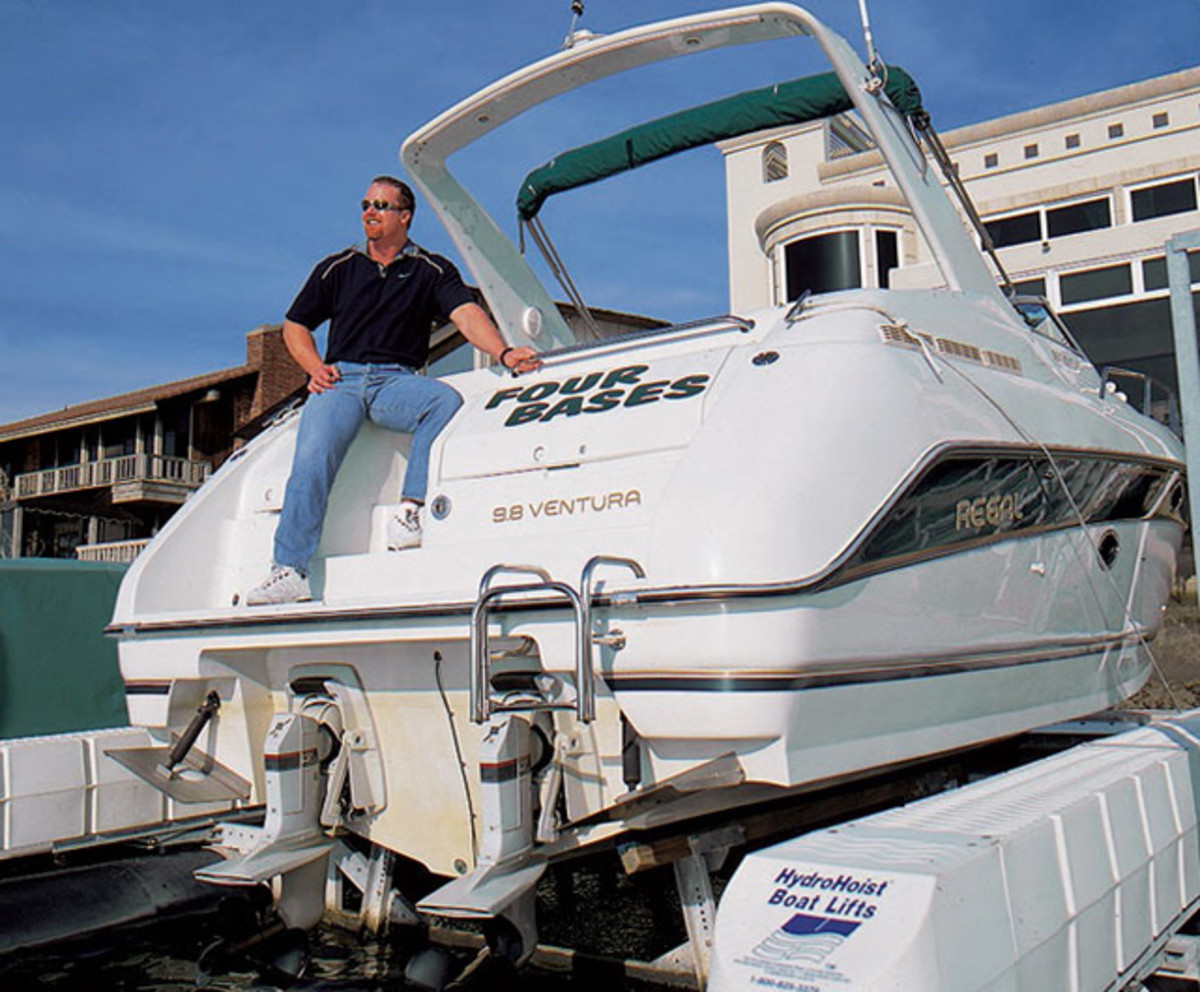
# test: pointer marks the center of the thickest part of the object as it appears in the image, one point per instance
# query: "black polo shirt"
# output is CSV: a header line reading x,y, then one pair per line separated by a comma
x,y
379,313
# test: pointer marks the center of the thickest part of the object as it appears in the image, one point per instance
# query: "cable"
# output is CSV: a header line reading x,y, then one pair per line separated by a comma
x,y
924,125
462,765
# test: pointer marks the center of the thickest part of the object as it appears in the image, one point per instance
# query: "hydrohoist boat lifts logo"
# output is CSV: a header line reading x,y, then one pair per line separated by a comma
x,y
825,909
596,392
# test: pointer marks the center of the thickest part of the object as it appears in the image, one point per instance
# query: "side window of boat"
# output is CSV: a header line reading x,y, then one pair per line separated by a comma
x,y
1040,319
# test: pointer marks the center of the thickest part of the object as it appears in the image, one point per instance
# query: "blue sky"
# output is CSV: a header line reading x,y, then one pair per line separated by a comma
x,y
170,172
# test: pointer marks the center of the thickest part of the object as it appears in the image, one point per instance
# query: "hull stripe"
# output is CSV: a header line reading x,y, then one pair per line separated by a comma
x,y
844,677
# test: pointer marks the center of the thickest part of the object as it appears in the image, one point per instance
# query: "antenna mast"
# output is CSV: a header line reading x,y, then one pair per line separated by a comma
x,y
576,13
872,55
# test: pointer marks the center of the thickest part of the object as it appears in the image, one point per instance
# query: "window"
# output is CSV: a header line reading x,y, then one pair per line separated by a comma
x,y
1030,287
71,448
1154,274
1071,141
1116,131
1016,230
1160,119
1031,151
1164,199
991,160
449,352
47,456
175,422
1040,319
1088,215
1154,271
844,137
823,264
1070,218
1096,284
775,162
118,442
887,256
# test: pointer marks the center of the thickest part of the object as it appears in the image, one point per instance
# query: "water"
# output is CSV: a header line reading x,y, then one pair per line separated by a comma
x,y
162,958
594,908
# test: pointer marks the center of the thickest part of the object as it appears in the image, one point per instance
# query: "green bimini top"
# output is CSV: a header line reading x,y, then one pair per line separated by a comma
x,y
808,99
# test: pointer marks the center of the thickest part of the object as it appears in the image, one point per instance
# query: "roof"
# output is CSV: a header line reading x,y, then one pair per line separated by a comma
x,y
1090,104
1038,118
124,405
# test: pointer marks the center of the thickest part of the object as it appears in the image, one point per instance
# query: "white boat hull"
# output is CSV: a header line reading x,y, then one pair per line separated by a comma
x,y
798,687
787,547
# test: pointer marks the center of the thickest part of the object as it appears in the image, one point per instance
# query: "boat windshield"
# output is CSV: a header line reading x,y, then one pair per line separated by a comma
x,y
1040,319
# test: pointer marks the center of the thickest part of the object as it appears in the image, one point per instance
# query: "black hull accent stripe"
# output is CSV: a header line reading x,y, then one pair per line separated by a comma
x,y
856,563
792,682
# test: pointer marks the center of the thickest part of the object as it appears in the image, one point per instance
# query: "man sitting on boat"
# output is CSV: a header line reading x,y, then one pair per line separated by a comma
x,y
381,300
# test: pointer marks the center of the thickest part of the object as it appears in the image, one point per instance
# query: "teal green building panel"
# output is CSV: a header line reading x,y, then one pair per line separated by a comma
x,y
58,670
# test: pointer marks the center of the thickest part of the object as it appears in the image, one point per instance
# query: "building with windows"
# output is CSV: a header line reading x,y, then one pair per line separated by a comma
x,y
96,480
1079,198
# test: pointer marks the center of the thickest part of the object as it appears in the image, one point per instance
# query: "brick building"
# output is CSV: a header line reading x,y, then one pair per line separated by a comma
x,y
96,480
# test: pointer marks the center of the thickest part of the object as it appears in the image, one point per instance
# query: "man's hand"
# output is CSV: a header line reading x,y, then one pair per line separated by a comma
x,y
322,378
477,327
300,345
522,360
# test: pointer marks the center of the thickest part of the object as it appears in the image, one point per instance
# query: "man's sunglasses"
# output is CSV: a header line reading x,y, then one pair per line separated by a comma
x,y
382,206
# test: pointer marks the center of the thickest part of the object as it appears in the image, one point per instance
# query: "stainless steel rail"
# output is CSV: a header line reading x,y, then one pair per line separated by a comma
x,y
482,703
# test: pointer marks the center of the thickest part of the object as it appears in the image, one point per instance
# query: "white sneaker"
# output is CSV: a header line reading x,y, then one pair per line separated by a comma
x,y
404,526
284,585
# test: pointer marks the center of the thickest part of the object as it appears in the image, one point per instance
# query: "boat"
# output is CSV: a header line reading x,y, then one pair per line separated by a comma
x,y
671,575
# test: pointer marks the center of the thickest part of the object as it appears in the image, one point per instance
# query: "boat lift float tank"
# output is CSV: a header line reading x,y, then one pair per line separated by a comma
x,y
1070,873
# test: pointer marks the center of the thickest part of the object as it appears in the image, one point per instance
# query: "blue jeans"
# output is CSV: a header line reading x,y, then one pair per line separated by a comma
x,y
392,396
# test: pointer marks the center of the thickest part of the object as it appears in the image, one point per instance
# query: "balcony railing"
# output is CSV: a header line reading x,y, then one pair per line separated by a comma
x,y
119,551
125,469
